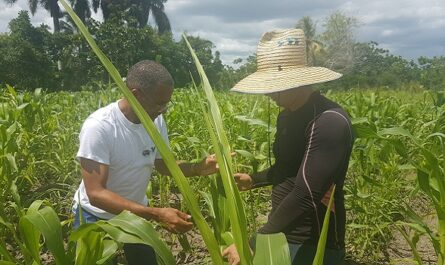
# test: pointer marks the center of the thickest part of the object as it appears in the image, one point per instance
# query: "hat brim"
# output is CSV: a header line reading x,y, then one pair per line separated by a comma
x,y
266,82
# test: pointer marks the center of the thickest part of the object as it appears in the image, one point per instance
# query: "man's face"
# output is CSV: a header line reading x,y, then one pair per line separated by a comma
x,y
155,102
291,98
283,99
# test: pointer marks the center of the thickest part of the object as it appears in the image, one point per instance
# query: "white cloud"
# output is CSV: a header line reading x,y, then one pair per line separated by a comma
x,y
8,12
387,32
409,28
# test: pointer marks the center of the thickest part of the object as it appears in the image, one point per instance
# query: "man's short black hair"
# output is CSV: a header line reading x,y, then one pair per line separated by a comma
x,y
147,75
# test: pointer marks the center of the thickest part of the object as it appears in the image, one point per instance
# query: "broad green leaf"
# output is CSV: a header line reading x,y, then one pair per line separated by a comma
x,y
37,92
185,244
245,154
11,91
362,130
227,237
89,248
82,231
251,121
271,249
110,249
22,106
141,228
236,210
208,199
222,150
47,222
3,262
359,120
424,181
127,228
30,234
396,131
11,160
11,130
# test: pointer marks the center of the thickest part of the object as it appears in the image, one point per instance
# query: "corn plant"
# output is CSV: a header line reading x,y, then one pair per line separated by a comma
x,y
376,181
94,243
430,165
124,228
222,149
423,152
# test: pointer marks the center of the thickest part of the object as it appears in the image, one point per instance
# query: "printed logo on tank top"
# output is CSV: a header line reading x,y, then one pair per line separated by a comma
x,y
147,152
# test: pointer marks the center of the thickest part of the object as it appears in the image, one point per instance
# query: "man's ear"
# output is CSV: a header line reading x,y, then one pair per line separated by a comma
x,y
136,92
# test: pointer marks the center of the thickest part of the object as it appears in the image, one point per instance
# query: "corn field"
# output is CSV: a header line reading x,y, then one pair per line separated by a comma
x,y
398,164
394,186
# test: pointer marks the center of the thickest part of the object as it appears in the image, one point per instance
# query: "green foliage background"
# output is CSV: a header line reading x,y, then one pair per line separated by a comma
x,y
381,181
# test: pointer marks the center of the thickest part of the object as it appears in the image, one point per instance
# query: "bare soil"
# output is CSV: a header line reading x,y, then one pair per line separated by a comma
x,y
399,251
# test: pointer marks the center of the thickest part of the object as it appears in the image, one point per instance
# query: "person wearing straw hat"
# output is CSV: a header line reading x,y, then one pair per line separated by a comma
x,y
312,147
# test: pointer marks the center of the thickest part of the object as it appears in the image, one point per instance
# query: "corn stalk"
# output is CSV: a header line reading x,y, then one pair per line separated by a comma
x,y
222,149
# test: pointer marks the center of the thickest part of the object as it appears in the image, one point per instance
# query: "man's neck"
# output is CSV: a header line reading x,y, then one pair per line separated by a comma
x,y
127,110
301,97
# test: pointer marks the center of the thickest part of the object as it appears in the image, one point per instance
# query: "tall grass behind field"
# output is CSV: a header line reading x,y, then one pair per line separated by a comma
x,y
40,139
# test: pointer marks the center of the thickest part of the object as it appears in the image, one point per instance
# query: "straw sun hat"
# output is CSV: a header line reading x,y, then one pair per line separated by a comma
x,y
281,65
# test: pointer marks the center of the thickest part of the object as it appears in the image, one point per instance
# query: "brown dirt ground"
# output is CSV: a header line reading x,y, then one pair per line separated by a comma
x,y
399,252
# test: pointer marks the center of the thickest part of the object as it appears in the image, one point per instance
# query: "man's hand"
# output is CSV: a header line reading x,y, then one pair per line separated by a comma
x,y
232,255
207,166
244,181
174,220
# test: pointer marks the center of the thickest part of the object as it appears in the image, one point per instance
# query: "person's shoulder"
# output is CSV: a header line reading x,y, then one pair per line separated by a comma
x,y
335,117
335,123
160,121
102,118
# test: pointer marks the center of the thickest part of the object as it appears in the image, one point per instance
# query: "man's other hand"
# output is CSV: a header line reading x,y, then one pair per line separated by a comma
x,y
232,255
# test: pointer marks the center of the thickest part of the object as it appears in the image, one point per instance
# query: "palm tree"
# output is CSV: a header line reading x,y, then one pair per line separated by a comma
x,y
313,46
104,5
140,9
50,5
156,7
81,8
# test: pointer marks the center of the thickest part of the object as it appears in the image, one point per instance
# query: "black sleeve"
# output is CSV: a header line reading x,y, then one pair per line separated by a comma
x,y
261,179
328,142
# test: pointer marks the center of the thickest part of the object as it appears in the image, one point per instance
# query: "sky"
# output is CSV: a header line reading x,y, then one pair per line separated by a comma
x,y
409,28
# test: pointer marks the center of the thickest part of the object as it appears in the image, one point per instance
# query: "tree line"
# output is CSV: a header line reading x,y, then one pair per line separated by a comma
x,y
33,57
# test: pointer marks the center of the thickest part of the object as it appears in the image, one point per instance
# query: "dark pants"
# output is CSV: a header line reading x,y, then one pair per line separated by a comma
x,y
302,254
135,254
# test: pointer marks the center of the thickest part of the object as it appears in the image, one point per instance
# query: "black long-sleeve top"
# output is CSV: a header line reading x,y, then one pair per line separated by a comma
x,y
312,148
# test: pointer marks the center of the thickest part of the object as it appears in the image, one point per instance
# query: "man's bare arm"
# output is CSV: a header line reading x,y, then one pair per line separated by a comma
x,y
95,177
